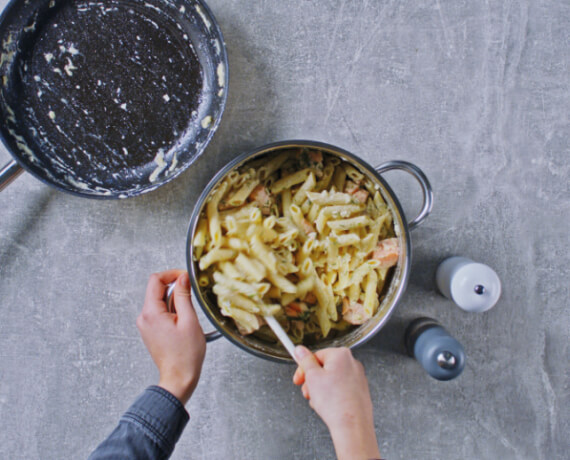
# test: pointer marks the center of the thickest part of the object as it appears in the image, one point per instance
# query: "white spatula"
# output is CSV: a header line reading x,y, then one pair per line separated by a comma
x,y
281,335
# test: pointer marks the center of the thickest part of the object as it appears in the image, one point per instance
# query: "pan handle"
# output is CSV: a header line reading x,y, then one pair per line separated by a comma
x,y
418,174
8,173
210,336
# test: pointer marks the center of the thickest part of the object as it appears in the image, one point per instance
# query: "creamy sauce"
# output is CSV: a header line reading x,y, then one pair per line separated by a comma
x,y
161,166
206,122
207,23
221,72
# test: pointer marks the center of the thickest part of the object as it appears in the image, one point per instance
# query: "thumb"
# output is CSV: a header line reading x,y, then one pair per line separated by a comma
x,y
307,360
182,302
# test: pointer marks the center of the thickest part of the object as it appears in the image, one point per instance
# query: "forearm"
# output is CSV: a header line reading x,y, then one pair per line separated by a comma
x,y
354,440
148,430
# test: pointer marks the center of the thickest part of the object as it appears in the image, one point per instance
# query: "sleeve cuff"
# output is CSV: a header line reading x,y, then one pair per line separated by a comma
x,y
160,415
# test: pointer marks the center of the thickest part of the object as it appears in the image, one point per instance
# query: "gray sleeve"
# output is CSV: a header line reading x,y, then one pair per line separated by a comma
x,y
148,430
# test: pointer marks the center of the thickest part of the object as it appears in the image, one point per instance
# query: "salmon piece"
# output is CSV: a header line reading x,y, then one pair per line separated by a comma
x,y
249,329
262,197
354,312
350,187
296,309
354,189
387,252
361,195
315,156
310,298
260,194
308,227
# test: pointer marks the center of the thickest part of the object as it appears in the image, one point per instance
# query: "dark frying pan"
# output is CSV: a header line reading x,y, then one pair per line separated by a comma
x,y
109,98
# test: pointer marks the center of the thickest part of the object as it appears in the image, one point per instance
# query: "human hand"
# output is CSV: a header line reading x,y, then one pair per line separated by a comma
x,y
336,387
175,341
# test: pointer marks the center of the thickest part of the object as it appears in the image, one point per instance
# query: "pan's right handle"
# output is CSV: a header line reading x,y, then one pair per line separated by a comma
x,y
419,175
210,336
9,173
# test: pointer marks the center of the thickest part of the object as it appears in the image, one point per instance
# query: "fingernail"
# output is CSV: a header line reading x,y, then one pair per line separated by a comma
x,y
301,352
185,281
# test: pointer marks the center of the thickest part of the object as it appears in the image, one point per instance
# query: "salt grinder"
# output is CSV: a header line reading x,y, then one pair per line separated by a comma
x,y
439,354
473,286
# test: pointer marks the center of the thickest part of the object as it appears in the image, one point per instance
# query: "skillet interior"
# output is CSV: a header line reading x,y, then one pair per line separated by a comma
x,y
113,97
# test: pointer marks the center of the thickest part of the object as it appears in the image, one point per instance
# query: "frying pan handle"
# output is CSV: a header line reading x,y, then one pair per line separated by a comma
x,y
8,173
210,336
418,174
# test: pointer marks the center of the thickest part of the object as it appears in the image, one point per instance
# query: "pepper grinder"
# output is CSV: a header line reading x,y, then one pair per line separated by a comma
x,y
439,353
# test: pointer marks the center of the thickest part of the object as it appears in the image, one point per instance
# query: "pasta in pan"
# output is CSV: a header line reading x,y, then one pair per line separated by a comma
x,y
302,236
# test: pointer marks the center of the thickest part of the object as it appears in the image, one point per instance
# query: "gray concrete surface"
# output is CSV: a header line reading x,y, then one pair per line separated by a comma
x,y
475,93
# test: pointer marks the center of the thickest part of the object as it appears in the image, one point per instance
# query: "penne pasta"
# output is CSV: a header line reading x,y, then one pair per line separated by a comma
x,y
296,235
290,180
215,255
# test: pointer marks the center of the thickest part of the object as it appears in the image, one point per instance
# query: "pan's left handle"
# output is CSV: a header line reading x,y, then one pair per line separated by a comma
x,y
9,173
210,336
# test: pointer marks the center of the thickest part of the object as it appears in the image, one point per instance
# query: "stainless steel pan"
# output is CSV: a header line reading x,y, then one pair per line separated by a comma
x,y
399,278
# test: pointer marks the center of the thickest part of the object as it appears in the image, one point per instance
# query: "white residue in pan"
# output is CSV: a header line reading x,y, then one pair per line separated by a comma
x,y
6,57
161,166
206,121
221,72
48,57
8,41
8,50
71,49
23,145
125,151
123,106
174,163
104,10
69,67
11,116
148,5
182,9
207,23
51,115
221,92
166,98
77,184
31,27
217,47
